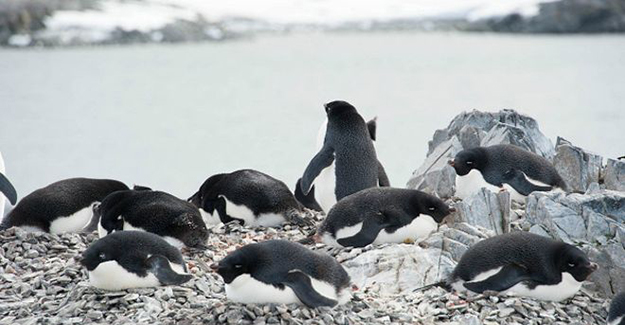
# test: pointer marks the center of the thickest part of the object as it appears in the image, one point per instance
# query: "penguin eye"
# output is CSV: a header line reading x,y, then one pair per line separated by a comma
x,y
102,256
432,208
571,264
238,266
469,162
119,217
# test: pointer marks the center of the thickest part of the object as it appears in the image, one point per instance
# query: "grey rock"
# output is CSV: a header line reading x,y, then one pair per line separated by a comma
x,y
577,167
486,209
614,178
469,130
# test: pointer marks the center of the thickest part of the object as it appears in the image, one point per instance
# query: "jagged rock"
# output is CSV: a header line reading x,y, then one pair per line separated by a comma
x,y
595,220
394,269
614,178
469,130
486,209
577,167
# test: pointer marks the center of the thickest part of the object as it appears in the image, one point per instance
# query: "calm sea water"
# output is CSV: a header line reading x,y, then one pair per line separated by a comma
x,y
168,116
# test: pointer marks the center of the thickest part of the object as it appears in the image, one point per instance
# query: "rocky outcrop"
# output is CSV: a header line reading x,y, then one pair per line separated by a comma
x,y
614,175
473,129
577,167
486,209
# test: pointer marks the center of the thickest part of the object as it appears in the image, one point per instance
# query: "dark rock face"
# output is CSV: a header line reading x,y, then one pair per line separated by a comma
x,y
566,16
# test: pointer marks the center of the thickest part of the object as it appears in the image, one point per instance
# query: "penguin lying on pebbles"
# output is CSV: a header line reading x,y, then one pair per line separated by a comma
x,y
382,215
524,264
63,206
501,167
309,201
177,221
279,271
617,310
346,161
248,196
133,259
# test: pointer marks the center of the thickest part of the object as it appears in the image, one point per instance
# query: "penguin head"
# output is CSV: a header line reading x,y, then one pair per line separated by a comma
x,y
236,263
338,107
99,253
468,159
434,207
572,260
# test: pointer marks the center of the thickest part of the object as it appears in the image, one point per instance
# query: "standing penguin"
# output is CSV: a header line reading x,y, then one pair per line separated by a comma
x,y
6,188
133,259
279,271
250,196
63,206
326,177
501,167
525,264
347,161
617,310
177,221
382,215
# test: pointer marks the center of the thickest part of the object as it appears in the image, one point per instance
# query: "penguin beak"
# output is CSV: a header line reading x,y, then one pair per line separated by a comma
x,y
451,163
593,267
214,267
452,210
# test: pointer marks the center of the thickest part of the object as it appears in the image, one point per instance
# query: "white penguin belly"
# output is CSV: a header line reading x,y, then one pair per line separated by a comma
x,y
245,289
210,218
471,183
420,228
325,188
567,288
112,276
251,220
616,321
72,223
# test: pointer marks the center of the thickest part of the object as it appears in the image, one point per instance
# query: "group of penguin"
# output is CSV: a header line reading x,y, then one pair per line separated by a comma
x,y
142,230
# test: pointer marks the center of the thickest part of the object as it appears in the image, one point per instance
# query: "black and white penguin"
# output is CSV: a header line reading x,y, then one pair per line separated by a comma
x,y
617,310
326,177
176,220
279,271
524,264
133,259
63,206
502,167
6,188
249,196
346,161
382,215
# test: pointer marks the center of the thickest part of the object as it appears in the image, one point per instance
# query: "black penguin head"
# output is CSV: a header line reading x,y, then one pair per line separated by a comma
x,y
236,263
434,207
192,229
99,253
468,159
572,260
338,107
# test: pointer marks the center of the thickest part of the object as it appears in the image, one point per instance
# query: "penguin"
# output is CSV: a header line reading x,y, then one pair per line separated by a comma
x,y
6,188
177,221
617,310
309,200
250,197
504,167
133,259
382,215
524,264
279,271
63,206
346,162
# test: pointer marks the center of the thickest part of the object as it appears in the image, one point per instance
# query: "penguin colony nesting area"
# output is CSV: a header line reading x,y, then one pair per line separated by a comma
x,y
42,282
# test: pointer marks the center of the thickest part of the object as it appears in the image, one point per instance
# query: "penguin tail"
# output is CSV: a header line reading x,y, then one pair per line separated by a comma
x,y
441,284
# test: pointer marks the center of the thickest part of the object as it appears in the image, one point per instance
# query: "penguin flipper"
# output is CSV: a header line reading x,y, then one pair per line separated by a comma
x,y
301,284
382,177
322,159
309,200
371,227
521,184
372,125
505,279
7,188
160,267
